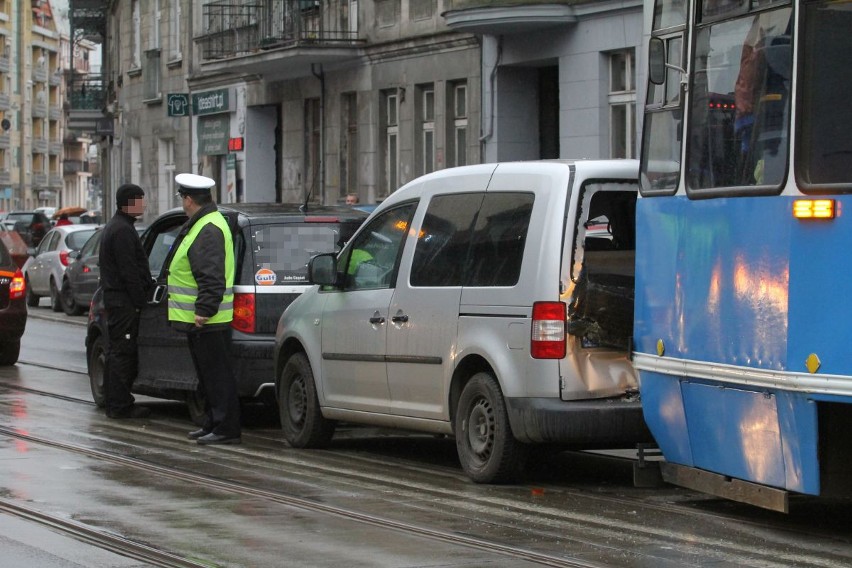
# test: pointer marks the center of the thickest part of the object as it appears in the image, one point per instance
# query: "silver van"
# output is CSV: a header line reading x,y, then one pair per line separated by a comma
x,y
493,303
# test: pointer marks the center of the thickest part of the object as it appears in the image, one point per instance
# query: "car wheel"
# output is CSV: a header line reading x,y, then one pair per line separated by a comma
x,y
55,301
9,351
66,296
32,299
298,406
97,370
488,451
196,403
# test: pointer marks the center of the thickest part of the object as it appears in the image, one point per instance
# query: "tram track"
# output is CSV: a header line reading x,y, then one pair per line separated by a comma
x,y
336,469
99,538
306,504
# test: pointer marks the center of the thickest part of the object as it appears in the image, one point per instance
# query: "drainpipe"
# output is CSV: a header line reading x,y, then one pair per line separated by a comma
x,y
321,76
492,82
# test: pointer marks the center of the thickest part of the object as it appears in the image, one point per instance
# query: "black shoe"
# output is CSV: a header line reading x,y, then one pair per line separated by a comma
x,y
211,438
195,434
132,412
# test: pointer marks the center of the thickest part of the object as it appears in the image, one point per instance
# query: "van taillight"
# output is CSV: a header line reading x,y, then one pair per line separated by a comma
x,y
548,330
18,286
243,313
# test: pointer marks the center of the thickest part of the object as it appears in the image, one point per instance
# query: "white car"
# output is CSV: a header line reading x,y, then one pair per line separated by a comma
x,y
45,267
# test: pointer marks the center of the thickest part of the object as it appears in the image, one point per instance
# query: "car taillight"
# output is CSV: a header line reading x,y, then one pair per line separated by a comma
x,y
37,227
63,257
548,330
243,313
18,286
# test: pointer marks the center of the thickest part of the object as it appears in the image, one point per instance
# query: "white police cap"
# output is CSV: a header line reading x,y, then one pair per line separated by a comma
x,y
193,183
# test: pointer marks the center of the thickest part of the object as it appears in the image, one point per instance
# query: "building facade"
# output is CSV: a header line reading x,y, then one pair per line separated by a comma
x,y
308,100
31,105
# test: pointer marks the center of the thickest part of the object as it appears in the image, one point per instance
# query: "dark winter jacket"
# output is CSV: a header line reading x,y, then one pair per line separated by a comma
x,y
125,274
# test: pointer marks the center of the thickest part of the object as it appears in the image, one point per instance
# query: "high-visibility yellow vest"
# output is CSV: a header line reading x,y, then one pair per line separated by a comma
x,y
183,289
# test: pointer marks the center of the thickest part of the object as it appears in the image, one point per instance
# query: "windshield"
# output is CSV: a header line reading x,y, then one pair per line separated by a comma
x,y
282,252
740,105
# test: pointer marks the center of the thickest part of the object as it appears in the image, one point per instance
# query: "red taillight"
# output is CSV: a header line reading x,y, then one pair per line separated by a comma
x,y
548,330
63,257
243,313
18,286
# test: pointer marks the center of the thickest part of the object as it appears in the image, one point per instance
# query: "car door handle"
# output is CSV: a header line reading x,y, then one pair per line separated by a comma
x,y
377,320
403,318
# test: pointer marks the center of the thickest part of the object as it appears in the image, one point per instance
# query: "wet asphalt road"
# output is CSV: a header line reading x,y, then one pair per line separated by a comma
x,y
375,498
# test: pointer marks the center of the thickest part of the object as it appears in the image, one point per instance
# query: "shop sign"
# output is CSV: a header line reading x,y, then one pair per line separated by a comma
x,y
211,102
213,135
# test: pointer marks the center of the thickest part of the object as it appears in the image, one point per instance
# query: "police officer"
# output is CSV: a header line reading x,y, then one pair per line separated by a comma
x,y
125,281
201,303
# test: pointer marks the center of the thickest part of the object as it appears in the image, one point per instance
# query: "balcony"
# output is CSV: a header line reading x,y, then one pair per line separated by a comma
x,y
5,177
40,145
4,63
73,167
4,101
55,78
277,38
54,113
86,100
502,17
39,74
39,110
54,148
5,141
55,181
40,180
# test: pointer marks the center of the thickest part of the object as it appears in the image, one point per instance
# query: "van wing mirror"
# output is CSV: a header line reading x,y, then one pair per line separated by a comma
x,y
322,270
657,61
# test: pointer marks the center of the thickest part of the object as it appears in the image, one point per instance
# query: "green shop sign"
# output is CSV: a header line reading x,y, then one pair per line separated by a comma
x,y
213,133
211,102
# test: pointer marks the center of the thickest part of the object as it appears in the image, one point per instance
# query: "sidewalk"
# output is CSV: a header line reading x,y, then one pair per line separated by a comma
x,y
43,312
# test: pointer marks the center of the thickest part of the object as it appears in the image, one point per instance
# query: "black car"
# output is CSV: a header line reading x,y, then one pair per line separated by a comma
x,y
31,225
13,307
273,243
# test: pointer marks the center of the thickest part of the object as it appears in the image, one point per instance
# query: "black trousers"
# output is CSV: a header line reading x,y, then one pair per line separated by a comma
x,y
210,351
122,358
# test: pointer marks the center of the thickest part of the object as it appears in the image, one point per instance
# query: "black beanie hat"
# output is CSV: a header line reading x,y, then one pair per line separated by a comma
x,y
127,192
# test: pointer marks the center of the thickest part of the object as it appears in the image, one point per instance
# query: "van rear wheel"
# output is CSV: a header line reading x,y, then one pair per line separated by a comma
x,y
488,451
298,406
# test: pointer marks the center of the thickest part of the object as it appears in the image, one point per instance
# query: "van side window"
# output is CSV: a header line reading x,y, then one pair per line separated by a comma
x,y
473,239
444,242
372,260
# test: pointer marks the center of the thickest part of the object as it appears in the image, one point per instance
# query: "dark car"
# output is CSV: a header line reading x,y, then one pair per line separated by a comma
x,y
273,243
13,308
81,277
31,225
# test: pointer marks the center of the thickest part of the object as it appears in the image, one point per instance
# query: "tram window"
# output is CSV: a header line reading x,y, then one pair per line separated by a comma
x,y
739,115
825,148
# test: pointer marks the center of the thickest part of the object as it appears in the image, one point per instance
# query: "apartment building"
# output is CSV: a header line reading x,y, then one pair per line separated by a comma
x,y
308,100
31,106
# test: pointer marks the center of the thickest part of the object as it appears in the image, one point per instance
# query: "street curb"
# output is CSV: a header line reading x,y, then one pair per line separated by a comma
x,y
48,315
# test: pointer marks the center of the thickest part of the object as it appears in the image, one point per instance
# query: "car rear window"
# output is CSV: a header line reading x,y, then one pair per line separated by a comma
x,y
282,252
77,239
15,217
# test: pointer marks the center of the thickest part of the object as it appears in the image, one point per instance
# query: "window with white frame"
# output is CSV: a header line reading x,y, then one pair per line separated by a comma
x,y
152,75
427,128
622,104
174,30
136,35
312,147
457,142
154,33
349,144
390,120
165,173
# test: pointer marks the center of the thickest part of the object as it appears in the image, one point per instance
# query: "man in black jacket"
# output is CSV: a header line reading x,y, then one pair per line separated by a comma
x,y
126,281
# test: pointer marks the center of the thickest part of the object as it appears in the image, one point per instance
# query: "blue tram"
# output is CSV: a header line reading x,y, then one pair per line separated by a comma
x,y
743,317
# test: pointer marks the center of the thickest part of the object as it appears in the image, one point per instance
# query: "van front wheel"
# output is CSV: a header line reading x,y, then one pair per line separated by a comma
x,y
298,406
488,451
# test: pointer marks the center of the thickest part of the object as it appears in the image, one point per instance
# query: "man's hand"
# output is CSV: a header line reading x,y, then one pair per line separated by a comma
x,y
200,320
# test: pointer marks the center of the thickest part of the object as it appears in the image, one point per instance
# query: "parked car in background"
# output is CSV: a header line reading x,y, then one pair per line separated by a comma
x,y
31,225
45,268
273,244
81,276
13,310
14,243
